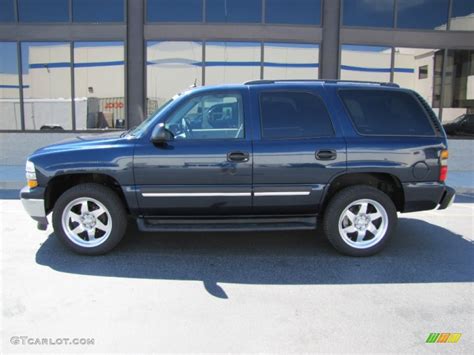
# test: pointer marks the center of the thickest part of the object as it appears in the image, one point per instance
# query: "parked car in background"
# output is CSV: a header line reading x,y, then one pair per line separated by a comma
x,y
461,126
265,155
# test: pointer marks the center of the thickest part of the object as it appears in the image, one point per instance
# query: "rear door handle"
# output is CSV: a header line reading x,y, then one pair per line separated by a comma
x,y
326,154
238,156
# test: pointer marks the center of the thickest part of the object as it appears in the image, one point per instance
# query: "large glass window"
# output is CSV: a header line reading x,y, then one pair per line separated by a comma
x,y
294,114
46,70
232,62
423,14
462,15
172,67
291,61
418,69
174,10
98,11
365,63
99,85
458,97
368,13
43,11
233,11
302,12
10,115
7,11
216,116
383,112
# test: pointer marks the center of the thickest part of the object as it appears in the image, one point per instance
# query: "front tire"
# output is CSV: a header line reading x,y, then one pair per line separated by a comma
x,y
90,219
359,220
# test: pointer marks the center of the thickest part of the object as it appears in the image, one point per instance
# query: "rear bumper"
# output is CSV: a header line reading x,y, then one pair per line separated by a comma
x,y
427,196
447,199
34,204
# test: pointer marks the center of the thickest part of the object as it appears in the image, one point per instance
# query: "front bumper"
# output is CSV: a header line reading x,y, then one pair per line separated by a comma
x,y
34,204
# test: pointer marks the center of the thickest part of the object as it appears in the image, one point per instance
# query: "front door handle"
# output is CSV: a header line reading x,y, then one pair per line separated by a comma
x,y
326,154
238,156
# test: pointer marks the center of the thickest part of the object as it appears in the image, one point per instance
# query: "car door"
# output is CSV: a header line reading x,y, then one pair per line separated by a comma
x,y
207,168
297,152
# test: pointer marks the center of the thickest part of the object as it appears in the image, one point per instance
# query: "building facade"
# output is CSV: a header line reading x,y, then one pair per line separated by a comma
x,y
88,65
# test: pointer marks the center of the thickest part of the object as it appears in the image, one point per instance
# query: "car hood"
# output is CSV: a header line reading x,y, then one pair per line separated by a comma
x,y
83,142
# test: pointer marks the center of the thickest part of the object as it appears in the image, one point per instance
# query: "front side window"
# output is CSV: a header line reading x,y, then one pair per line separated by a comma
x,y
384,112
213,116
294,115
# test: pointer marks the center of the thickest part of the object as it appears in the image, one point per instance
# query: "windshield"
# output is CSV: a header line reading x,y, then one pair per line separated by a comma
x,y
138,130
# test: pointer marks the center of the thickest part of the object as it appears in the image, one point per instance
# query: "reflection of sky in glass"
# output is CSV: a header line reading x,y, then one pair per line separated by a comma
x,y
174,10
7,13
422,14
43,11
98,11
233,11
350,47
369,13
462,8
304,12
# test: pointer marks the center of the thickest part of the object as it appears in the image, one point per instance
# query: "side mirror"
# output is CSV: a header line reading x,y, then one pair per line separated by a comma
x,y
161,135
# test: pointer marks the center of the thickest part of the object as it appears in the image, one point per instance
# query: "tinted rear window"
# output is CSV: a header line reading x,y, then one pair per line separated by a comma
x,y
294,115
384,112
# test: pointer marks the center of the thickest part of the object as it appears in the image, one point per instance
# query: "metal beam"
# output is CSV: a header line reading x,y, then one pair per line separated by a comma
x,y
330,41
135,59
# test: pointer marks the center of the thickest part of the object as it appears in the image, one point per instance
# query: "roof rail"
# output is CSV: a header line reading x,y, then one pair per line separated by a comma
x,y
326,81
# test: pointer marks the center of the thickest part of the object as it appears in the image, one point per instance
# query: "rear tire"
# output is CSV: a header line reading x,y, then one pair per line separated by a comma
x,y
360,220
90,219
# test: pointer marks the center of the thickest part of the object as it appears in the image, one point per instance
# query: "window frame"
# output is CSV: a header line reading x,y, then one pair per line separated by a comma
x,y
301,91
185,100
386,89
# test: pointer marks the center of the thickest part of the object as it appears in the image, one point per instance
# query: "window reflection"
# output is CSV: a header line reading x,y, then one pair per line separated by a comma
x,y
43,11
99,77
458,102
232,62
423,14
98,11
234,11
46,70
7,12
291,61
10,116
368,13
419,69
365,63
462,16
174,10
172,67
303,12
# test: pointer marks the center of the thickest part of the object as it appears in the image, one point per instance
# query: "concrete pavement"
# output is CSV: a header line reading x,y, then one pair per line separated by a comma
x,y
241,292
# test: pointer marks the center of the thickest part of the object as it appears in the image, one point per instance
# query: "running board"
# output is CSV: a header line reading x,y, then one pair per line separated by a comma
x,y
225,224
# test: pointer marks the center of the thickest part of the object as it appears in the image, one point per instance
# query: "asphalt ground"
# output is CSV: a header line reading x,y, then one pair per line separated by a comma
x,y
239,292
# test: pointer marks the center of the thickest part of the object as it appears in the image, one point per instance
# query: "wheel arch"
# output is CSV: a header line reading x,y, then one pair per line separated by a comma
x,y
61,183
385,182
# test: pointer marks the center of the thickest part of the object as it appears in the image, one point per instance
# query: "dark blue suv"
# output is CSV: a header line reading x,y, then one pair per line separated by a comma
x,y
265,155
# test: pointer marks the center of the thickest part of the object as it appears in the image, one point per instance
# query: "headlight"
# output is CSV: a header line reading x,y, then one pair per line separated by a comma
x,y
31,174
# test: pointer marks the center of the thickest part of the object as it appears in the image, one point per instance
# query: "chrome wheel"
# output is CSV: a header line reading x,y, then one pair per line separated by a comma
x,y
363,223
86,222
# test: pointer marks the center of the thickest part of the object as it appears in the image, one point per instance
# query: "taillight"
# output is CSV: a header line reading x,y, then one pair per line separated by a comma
x,y
443,161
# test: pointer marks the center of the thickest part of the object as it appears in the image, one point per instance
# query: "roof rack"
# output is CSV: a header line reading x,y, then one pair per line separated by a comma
x,y
328,81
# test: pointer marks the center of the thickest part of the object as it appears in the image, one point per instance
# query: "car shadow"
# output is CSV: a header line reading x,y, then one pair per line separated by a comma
x,y
420,252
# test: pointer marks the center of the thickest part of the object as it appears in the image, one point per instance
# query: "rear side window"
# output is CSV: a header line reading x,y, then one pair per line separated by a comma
x,y
289,114
384,112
